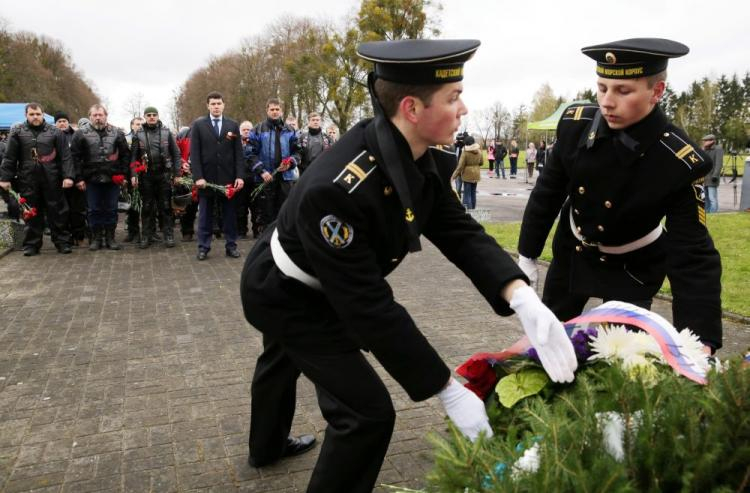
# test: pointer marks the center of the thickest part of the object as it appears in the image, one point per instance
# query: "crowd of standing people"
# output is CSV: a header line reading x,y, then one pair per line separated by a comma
x,y
69,180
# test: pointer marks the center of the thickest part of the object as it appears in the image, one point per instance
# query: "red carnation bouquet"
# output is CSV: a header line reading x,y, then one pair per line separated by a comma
x,y
27,212
288,161
227,190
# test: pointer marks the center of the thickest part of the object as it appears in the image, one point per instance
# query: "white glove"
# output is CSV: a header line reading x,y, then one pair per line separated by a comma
x,y
546,334
465,409
529,267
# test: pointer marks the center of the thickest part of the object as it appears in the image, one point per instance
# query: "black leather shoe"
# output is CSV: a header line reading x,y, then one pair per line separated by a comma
x,y
202,255
294,446
298,445
144,243
234,253
64,249
30,251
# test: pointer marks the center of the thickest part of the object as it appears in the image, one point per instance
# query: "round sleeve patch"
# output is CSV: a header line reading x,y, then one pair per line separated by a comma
x,y
336,232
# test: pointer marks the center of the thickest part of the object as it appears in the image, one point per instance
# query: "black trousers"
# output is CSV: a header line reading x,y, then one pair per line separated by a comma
x,y
76,213
43,190
156,193
261,208
187,220
305,338
242,208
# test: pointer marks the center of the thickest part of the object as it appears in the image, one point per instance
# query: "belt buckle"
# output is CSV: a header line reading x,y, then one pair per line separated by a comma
x,y
588,244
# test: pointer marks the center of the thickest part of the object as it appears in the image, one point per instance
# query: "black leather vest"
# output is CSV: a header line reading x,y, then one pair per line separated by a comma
x,y
156,147
37,146
101,148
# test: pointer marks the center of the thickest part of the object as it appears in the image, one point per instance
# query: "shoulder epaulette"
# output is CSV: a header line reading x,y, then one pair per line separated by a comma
x,y
356,171
582,112
682,149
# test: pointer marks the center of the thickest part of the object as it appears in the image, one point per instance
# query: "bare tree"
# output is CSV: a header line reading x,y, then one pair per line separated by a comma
x,y
134,104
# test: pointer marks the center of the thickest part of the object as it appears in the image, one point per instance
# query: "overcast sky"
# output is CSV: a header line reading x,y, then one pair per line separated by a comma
x,y
151,47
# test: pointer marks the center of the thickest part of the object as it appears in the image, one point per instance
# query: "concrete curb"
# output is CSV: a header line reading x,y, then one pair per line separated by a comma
x,y
5,252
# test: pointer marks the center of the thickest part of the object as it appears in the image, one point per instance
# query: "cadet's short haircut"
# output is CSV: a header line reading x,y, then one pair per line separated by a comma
x,y
135,119
275,101
312,115
214,95
651,80
390,94
98,106
33,106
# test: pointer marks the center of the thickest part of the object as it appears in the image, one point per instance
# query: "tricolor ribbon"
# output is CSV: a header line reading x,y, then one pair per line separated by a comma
x,y
615,312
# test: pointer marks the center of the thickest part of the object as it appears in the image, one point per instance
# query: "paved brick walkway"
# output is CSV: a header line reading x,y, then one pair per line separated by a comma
x,y
129,371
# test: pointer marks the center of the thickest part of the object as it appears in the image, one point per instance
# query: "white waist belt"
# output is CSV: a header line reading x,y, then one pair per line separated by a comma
x,y
287,265
617,250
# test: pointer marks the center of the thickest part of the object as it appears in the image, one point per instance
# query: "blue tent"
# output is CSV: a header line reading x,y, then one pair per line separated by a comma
x,y
11,113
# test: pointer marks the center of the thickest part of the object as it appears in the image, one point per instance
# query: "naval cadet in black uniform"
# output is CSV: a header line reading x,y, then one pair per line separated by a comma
x,y
314,284
619,168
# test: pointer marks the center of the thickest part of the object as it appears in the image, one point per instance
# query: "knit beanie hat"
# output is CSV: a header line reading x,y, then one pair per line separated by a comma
x,y
61,115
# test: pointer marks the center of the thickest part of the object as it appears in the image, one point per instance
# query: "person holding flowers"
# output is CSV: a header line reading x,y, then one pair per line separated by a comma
x,y
155,150
38,154
216,158
102,158
274,158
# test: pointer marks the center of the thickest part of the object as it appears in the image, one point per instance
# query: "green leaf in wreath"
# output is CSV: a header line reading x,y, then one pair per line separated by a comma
x,y
516,386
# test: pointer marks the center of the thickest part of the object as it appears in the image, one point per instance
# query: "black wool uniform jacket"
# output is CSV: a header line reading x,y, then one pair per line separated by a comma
x,y
344,225
216,160
618,186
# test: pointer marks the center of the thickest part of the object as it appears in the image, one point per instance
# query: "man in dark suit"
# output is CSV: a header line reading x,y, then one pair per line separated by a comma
x,y
216,157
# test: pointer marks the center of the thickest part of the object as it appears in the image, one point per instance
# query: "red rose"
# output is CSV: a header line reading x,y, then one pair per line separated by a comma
x,y
118,179
135,164
22,200
230,191
480,375
194,194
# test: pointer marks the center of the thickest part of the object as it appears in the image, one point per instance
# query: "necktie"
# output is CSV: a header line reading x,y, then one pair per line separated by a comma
x,y
216,127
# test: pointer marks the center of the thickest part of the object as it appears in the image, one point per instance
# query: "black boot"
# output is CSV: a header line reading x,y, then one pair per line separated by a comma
x,y
169,238
132,235
97,238
145,242
109,239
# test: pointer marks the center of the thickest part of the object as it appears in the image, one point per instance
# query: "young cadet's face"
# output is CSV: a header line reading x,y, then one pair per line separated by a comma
x,y
626,101
439,122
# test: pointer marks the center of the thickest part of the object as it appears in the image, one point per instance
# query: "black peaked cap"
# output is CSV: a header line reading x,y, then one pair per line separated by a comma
x,y
419,61
633,58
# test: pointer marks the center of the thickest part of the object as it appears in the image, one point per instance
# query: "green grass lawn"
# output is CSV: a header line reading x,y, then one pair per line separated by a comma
x,y
731,234
727,162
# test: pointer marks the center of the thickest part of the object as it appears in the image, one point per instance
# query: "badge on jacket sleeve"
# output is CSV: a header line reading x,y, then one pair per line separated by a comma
x,y
336,232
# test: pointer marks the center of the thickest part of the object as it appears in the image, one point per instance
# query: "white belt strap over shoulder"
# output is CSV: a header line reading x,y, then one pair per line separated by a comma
x,y
621,249
287,266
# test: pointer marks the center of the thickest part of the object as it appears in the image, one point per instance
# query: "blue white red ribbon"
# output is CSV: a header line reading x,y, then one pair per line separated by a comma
x,y
618,312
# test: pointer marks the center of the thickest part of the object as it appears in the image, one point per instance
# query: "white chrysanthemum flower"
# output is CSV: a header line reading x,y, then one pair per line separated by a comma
x,y
609,343
692,348
612,426
617,343
528,462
